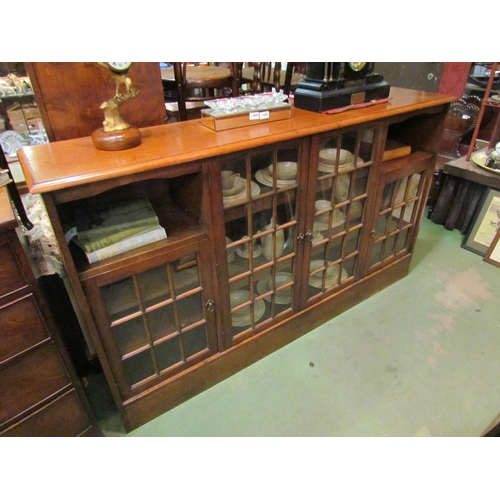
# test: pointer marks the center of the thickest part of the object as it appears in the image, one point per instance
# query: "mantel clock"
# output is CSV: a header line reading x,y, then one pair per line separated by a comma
x,y
331,85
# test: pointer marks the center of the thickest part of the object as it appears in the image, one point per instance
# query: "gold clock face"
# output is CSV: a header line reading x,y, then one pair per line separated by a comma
x,y
119,67
357,66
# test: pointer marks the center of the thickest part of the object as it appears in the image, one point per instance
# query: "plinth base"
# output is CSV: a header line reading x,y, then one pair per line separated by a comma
x,y
117,140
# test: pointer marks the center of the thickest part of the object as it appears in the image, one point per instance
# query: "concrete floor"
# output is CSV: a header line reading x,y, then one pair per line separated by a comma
x,y
420,358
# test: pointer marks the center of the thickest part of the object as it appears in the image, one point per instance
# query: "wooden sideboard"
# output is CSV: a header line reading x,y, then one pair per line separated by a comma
x,y
243,275
40,394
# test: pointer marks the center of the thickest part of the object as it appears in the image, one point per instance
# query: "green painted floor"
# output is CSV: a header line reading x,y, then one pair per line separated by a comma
x,y
420,358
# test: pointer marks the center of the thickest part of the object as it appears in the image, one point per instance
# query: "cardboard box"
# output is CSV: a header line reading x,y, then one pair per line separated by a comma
x,y
19,126
31,112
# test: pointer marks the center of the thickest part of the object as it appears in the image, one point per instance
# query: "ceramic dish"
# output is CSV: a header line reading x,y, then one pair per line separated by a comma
x,y
257,250
233,200
281,297
242,317
239,187
323,167
11,141
285,170
229,251
328,156
321,221
480,160
265,178
316,280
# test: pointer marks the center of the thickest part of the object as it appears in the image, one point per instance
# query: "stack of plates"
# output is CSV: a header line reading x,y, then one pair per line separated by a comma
x,y
265,176
243,316
243,252
332,273
327,158
321,221
283,296
241,192
229,251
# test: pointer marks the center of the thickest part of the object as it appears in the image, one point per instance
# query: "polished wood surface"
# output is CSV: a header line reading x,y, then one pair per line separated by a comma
x,y
40,393
69,96
198,76
181,163
51,167
470,171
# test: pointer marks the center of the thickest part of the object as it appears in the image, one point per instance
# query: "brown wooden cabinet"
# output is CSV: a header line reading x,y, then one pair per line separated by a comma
x,y
250,263
40,395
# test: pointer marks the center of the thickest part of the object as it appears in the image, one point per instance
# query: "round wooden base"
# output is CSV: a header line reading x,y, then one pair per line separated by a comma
x,y
117,140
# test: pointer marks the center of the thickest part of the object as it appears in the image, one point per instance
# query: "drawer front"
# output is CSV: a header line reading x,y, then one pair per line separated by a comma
x,y
12,277
29,380
63,417
21,327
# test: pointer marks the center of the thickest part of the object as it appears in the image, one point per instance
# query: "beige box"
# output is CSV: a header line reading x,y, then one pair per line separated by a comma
x,y
15,115
19,126
236,120
31,112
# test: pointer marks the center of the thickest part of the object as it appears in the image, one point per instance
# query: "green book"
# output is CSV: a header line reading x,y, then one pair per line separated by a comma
x,y
93,244
96,223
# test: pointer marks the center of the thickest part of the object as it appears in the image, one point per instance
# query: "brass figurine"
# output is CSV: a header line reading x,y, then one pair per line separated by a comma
x,y
117,133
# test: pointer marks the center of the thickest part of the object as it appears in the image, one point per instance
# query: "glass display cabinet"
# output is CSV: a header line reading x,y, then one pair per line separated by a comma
x,y
272,229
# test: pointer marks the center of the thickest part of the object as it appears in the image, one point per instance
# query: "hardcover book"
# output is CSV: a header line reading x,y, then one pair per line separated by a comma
x,y
94,224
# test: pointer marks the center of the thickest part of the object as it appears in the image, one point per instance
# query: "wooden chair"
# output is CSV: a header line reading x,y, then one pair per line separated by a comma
x,y
264,76
190,84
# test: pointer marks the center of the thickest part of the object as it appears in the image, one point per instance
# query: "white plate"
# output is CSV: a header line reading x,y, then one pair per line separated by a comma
x,y
480,160
265,178
321,222
257,250
242,317
323,167
11,141
316,280
233,200
280,297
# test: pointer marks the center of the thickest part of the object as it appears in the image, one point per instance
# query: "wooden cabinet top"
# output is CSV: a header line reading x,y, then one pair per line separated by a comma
x,y
64,164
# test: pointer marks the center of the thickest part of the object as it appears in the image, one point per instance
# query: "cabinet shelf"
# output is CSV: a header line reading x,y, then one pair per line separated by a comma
x,y
182,229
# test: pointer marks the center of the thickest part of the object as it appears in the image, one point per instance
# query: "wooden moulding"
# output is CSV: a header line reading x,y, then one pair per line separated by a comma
x,y
174,391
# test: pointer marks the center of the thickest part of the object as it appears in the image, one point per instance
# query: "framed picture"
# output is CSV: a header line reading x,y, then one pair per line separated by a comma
x,y
493,253
485,224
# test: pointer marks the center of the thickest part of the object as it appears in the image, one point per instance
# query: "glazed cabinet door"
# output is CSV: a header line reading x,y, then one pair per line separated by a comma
x,y
401,198
157,318
341,166
258,219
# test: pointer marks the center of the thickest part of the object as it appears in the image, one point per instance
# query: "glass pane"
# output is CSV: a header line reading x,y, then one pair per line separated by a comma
x,y
387,196
168,353
401,242
185,274
348,268
153,286
130,335
389,246
120,299
161,322
190,310
194,340
138,367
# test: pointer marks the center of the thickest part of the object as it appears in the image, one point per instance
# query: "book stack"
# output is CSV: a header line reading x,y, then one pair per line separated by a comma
x,y
117,228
